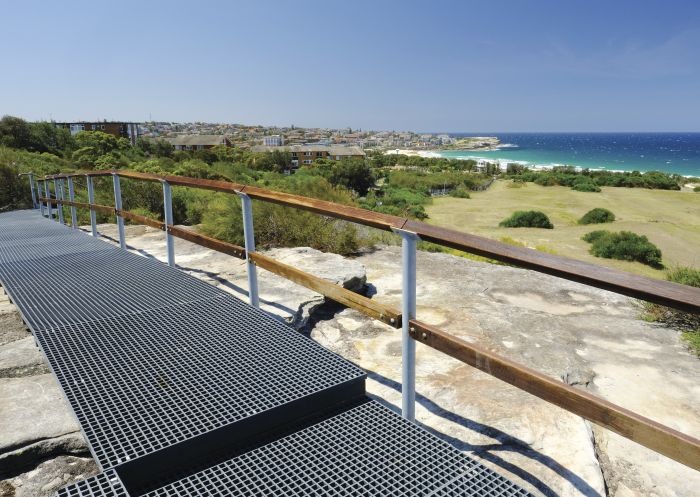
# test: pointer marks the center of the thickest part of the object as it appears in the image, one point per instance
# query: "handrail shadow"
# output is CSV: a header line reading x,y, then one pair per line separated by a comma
x,y
508,442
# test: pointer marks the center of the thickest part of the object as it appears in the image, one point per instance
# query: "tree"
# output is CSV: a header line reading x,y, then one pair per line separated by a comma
x,y
102,143
15,132
354,174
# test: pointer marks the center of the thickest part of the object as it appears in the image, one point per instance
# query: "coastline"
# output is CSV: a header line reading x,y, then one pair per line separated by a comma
x,y
503,162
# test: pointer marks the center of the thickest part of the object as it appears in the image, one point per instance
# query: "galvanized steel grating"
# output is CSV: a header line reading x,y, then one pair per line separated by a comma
x,y
367,450
94,285
105,484
140,383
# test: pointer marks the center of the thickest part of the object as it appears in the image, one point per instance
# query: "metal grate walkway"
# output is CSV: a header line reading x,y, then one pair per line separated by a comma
x,y
182,389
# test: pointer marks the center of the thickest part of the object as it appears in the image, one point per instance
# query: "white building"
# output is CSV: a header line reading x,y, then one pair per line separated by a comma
x,y
273,141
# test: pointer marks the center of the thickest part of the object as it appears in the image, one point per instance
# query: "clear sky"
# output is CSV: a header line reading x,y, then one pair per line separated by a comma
x,y
491,65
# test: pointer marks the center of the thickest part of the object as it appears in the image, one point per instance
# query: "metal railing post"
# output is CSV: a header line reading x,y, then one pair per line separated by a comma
x,y
91,200
39,195
118,207
409,241
168,211
59,196
31,189
249,237
47,190
71,197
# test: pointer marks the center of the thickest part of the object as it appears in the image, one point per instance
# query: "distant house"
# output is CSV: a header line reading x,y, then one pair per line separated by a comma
x,y
273,141
130,131
197,142
306,154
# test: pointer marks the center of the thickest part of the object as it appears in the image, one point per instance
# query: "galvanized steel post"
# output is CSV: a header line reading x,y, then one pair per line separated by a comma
x,y
91,200
47,190
408,312
71,197
118,207
249,237
39,195
31,188
168,211
59,205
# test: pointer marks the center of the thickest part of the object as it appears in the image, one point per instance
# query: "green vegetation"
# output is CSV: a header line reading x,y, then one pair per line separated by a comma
x,y
585,186
696,189
686,322
624,245
527,219
587,180
597,216
459,193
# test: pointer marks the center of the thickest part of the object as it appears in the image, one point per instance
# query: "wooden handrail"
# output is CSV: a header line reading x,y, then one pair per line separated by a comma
x,y
644,431
329,289
666,293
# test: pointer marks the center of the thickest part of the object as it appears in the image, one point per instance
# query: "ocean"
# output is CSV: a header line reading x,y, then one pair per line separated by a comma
x,y
669,152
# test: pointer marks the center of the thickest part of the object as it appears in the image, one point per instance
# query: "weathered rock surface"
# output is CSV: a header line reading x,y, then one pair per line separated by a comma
x,y
32,411
48,477
21,358
588,337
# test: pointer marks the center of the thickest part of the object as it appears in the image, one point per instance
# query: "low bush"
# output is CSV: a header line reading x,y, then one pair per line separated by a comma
x,y
585,186
527,219
688,323
625,246
459,193
696,189
597,216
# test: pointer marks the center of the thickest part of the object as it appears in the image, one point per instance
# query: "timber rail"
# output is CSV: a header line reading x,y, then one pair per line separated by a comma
x,y
662,439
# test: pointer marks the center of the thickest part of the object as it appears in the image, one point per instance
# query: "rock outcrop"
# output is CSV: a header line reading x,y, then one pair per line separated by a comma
x,y
589,338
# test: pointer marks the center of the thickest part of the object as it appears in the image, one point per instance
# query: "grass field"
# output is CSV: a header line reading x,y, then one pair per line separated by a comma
x,y
670,219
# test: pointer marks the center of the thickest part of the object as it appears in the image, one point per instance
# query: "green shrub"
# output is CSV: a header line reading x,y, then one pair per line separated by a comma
x,y
696,189
597,216
459,193
684,276
688,323
625,246
527,219
585,186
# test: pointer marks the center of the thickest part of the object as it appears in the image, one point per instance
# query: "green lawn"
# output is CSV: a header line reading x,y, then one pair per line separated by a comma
x,y
670,219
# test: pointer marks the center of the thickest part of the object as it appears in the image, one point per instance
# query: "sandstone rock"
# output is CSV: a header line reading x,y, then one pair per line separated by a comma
x,y
21,358
27,456
587,337
32,411
11,325
48,477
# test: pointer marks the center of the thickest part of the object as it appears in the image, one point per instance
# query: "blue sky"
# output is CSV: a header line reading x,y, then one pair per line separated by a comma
x,y
428,66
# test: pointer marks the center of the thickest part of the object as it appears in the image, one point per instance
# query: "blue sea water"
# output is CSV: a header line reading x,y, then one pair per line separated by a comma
x,y
669,152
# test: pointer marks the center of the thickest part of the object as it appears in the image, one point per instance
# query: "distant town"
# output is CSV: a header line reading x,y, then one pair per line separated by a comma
x,y
200,135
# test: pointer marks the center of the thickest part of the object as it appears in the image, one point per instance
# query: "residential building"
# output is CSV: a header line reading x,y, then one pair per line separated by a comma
x,y
197,142
307,154
130,131
273,141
